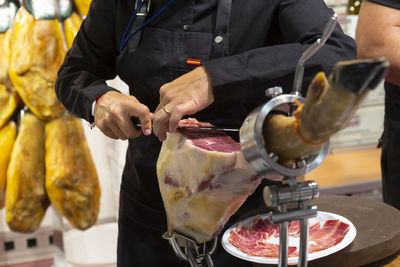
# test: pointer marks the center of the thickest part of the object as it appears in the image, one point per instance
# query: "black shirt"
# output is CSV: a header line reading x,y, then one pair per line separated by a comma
x,y
292,24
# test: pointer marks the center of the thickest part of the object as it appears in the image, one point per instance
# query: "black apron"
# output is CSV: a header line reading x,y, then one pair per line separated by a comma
x,y
391,147
159,58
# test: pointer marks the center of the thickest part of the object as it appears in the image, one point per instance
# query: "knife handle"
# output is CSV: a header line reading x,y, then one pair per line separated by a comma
x,y
136,123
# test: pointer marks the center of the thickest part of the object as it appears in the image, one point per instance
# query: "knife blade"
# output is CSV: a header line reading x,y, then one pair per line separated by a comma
x,y
210,128
137,124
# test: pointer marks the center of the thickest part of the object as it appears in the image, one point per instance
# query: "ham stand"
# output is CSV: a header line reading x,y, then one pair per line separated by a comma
x,y
280,197
290,200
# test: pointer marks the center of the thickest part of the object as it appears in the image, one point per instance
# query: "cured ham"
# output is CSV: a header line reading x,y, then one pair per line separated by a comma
x,y
203,179
37,52
260,237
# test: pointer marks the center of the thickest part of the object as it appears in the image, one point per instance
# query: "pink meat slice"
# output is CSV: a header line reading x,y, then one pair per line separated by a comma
x,y
264,226
254,247
328,236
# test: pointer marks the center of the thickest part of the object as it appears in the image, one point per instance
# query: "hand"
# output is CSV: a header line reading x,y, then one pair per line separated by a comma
x,y
113,114
185,95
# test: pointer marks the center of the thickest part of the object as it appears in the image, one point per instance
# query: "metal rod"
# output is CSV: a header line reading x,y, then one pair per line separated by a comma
x,y
294,215
283,244
303,248
283,239
191,257
304,232
171,237
326,33
177,250
209,260
213,245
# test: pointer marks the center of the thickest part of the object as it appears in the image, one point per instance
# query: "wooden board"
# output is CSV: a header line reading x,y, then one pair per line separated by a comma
x,y
378,230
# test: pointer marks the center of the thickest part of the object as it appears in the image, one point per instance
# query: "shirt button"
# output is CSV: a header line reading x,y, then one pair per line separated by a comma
x,y
218,39
186,27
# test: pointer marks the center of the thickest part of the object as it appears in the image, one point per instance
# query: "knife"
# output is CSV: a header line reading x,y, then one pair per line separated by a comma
x,y
138,126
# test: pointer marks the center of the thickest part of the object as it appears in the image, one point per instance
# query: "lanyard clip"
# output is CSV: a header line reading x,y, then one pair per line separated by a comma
x,y
144,7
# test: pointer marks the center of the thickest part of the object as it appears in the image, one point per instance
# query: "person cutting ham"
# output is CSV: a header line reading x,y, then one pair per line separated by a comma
x,y
208,59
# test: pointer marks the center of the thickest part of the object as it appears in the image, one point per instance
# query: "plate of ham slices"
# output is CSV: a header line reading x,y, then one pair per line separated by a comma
x,y
256,239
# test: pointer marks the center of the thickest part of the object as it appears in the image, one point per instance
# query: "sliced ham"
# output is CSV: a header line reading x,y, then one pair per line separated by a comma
x,y
331,234
203,179
257,247
255,238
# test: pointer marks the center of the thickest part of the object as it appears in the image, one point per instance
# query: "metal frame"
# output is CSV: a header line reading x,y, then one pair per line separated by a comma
x,y
198,255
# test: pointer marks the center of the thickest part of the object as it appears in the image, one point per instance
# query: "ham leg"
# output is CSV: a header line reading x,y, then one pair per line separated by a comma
x,y
203,179
328,107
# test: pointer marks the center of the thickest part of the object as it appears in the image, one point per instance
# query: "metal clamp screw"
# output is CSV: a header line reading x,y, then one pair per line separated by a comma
x,y
273,91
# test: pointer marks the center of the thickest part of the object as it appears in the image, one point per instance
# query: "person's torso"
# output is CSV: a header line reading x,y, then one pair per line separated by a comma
x,y
184,31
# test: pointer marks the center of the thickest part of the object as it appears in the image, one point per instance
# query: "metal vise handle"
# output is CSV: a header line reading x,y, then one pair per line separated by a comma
x,y
191,253
298,77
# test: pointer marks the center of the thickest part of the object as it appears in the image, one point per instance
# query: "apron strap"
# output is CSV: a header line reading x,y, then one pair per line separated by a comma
x,y
139,20
221,37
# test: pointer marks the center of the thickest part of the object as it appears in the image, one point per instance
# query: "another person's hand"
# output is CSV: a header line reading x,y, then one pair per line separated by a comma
x,y
113,115
185,95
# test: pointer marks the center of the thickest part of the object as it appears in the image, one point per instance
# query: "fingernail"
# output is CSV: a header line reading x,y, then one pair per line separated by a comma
x,y
171,129
147,132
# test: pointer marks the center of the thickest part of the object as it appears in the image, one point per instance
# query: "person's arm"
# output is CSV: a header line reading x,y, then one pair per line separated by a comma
x,y
378,35
88,64
243,75
301,24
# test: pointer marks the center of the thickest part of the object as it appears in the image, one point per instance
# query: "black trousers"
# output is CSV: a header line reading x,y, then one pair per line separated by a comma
x,y
390,158
140,244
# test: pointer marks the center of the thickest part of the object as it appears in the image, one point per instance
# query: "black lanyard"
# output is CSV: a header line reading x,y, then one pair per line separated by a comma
x,y
138,22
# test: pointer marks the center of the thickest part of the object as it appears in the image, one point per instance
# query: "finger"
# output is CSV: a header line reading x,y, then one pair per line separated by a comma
x,y
145,120
141,112
160,124
188,108
164,96
160,106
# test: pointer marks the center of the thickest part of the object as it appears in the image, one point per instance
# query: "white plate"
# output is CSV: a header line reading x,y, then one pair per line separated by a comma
x,y
293,241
